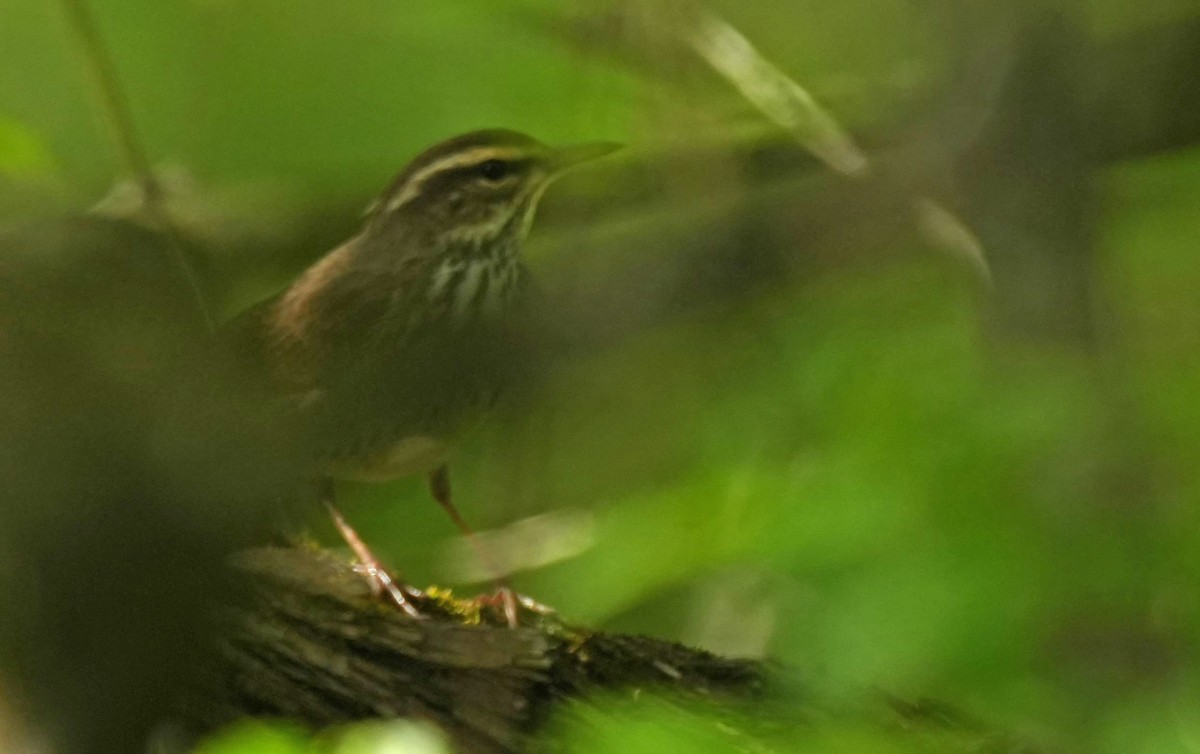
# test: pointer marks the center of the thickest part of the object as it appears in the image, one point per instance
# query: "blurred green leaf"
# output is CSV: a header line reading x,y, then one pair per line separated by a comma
x,y
22,153
646,726
258,738
394,737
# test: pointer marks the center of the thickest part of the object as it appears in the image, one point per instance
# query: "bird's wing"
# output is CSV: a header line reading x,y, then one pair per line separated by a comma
x,y
357,321
334,318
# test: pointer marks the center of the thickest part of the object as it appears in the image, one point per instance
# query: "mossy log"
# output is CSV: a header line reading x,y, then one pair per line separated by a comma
x,y
311,643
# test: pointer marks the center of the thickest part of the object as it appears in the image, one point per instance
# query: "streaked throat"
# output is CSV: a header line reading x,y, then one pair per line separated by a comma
x,y
476,282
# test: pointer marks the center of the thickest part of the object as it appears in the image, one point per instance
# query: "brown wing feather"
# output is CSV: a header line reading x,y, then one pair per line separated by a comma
x,y
335,316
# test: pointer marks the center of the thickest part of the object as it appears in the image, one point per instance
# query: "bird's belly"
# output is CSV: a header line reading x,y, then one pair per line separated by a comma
x,y
407,457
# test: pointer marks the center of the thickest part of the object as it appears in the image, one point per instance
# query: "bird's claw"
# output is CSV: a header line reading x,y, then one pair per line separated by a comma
x,y
511,603
384,586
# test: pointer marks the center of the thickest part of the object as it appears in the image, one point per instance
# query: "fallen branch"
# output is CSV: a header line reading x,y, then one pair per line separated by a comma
x,y
309,643
312,644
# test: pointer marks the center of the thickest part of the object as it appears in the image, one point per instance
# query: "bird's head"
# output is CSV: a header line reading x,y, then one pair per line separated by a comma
x,y
475,189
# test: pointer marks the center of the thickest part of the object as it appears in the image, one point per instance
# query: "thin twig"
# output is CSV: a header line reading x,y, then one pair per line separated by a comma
x,y
119,118
775,94
782,100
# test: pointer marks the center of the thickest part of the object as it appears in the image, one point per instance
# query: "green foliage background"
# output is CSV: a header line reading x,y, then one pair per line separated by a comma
x,y
847,472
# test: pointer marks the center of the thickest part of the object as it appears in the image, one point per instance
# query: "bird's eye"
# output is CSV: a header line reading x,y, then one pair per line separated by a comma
x,y
494,170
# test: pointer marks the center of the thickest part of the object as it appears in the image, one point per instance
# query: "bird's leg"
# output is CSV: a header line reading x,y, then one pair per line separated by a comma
x,y
381,581
439,487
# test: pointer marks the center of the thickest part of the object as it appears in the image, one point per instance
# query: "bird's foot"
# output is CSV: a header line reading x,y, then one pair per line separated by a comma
x,y
511,604
384,586
381,582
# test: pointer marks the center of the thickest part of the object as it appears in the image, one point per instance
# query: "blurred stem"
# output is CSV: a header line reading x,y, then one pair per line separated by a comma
x,y
117,114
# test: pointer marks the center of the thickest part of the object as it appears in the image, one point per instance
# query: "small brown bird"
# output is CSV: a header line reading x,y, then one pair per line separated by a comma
x,y
395,341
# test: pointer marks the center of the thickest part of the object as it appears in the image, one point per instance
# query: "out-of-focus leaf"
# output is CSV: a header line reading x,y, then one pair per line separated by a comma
x,y
394,737
647,726
22,153
257,738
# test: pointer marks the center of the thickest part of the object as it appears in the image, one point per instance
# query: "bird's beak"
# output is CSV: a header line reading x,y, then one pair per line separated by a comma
x,y
566,158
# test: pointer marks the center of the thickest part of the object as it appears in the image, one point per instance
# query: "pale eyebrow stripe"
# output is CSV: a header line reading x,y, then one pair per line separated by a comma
x,y
412,187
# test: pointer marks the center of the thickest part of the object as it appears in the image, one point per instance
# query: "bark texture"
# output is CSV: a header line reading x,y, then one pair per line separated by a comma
x,y
310,643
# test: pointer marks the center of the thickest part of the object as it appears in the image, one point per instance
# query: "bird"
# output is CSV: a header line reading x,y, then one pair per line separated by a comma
x,y
390,346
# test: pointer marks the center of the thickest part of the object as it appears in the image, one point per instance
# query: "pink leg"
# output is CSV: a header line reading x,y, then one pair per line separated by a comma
x,y
381,581
439,487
